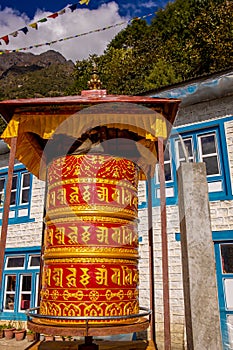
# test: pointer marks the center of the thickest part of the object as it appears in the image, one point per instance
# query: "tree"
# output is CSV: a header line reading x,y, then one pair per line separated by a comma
x,y
186,39
162,74
212,37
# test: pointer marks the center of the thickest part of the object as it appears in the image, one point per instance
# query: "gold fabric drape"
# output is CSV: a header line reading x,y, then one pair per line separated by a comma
x,y
149,126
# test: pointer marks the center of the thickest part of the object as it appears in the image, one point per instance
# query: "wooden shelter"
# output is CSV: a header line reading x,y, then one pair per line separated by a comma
x,y
41,129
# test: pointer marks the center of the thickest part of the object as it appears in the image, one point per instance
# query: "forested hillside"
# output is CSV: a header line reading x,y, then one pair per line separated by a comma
x,y
187,39
24,75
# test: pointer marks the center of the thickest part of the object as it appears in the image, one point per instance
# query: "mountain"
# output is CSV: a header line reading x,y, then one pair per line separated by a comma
x,y
25,75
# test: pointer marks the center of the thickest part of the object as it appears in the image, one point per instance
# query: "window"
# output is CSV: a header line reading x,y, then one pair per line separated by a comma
x,y
206,143
20,194
168,172
15,262
34,261
209,153
25,292
20,282
223,245
207,149
184,149
2,185
227,258
25,188
10,283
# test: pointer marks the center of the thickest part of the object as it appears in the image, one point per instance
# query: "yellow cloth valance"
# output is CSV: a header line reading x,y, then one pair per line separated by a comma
x,y
25,126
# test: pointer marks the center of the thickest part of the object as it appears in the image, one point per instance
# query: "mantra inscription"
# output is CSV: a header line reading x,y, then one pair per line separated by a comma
x,y
91,239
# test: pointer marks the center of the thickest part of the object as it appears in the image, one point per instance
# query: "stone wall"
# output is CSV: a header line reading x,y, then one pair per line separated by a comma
x,y
207,110
175,276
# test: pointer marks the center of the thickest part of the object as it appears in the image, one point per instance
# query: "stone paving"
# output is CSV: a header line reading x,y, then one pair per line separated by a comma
x,y
12,344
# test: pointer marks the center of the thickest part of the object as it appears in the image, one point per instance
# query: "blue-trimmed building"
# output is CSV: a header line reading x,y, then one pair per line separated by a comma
x,y
203,132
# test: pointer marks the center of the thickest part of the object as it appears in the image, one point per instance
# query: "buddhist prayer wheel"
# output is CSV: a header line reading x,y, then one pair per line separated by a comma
x,y
91,240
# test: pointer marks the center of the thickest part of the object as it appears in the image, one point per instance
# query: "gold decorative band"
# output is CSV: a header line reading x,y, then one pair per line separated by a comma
x,y
91,218
88,309
90,260
72,252
96,210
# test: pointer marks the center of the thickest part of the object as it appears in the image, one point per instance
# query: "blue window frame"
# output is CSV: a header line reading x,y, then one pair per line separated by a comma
x,y
223,247
20,282
223,244
20,201
203,142
170,177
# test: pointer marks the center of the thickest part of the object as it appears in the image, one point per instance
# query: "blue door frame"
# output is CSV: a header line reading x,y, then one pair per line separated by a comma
x,y
222,237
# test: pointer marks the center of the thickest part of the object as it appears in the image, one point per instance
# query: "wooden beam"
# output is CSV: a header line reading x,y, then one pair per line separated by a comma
x,y
151,259
166,301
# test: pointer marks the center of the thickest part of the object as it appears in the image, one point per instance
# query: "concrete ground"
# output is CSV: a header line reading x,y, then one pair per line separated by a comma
x,y
12,344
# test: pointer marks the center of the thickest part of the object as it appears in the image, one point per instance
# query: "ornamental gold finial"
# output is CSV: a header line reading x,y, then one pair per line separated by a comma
x,y
94,83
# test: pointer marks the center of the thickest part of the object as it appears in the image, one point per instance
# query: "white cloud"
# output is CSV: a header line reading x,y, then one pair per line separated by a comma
x,y
150,4
66,25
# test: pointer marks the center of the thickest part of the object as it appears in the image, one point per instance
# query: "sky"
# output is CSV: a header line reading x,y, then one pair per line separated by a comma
x,y
98,14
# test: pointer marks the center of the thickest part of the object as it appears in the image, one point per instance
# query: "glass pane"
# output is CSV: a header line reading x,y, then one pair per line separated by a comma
x,y
25,301
14,182
188,147
15,262
211,165
227,258
35,261
13,198
26,283
9,302
2,182
167,172
10,283
228,287
1,199
166,154
208,144
25,196
26,180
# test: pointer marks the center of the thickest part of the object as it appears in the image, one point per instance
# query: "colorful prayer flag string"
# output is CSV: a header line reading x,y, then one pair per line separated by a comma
x,y
54,15
73,36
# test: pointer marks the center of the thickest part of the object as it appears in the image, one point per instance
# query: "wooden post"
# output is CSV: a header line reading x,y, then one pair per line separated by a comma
x,y
151,260
6,208
166,301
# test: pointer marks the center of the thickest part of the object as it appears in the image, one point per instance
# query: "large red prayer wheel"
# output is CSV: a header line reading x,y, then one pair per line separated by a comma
x,y
91,240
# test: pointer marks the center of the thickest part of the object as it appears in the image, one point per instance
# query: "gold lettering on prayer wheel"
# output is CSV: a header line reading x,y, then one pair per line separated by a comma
x,y
91,239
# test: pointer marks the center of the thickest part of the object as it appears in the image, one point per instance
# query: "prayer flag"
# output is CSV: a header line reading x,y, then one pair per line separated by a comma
x,y
54,15
24,30
73,7
84,2
34,25
6,39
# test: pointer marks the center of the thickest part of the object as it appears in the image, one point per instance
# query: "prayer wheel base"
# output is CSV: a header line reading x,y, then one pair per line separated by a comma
x,y
90,330
88,345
